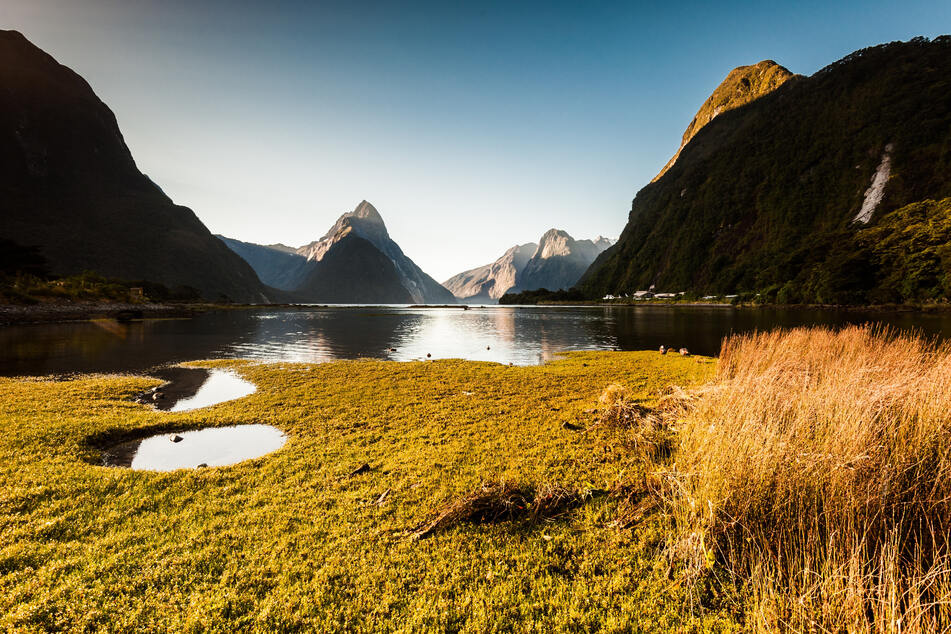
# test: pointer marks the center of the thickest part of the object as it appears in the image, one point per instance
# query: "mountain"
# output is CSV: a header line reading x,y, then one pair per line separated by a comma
x,y
71,187
355,262
486,284
281,268
808,193
741,86
559,261
556,262
354,271
366,223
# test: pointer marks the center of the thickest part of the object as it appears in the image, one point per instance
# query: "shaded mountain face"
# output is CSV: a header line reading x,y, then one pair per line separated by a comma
x,y
741,86
555,262
366,223
284,269
70,187
354,271
775,196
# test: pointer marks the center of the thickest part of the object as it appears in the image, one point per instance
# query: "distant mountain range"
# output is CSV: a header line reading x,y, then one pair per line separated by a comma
x,y
834,188
69,186
356,261
557,261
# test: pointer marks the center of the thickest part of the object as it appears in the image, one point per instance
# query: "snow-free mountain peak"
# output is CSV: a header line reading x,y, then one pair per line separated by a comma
x,y
555,262
356,261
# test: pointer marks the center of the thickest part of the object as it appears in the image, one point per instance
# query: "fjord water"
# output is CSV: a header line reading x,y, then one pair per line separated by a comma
x,y
504,334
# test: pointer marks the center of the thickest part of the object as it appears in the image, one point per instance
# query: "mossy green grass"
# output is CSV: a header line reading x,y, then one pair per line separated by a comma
x,y
293,542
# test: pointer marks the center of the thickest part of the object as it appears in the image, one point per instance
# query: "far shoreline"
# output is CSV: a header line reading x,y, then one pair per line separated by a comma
x,y
47,313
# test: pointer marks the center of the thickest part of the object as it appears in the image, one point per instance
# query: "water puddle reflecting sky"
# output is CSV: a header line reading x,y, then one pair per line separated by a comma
x,y
210,447
220,386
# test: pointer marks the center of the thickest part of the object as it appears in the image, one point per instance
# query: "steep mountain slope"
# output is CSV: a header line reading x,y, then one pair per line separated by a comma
x,y
486,284
280,268
365,222
70,186
771,197
559,261
741,86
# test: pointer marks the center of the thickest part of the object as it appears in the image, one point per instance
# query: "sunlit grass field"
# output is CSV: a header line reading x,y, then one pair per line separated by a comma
x,y
292,542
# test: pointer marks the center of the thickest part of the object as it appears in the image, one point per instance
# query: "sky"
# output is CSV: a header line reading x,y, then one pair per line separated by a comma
x,y
471,127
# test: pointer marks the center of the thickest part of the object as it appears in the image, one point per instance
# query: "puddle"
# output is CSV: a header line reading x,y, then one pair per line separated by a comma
x,y
209,447
192,388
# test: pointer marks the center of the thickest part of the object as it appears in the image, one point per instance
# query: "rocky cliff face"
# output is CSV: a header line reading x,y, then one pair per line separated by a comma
x,y
781,195
557,261
486,284
741,86
70,186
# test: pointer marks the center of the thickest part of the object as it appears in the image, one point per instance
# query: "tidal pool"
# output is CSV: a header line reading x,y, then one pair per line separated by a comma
x,y
220,386
209,447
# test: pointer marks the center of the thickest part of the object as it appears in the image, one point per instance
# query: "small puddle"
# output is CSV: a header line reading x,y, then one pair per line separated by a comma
x,y
209,447
192,388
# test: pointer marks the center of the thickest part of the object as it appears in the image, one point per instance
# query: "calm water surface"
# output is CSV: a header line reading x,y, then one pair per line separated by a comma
x,y
210,447
505,334
219,387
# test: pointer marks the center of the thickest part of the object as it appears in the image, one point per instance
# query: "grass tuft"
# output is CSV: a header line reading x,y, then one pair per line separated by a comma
x,y
816,468
503,502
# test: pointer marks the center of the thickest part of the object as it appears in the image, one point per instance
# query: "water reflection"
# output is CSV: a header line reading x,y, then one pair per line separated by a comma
x,y
505,334
211,447
218,387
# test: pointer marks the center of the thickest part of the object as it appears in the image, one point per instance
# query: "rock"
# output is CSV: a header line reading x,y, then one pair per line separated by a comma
x,y
428,355
488,347
684,352
392,349
204,464
176,438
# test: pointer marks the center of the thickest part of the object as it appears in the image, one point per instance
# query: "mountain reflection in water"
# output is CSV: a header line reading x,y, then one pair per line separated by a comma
x,y
504,334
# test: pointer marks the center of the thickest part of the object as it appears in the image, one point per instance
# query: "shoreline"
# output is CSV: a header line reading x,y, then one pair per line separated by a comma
x,y
43,313
26,314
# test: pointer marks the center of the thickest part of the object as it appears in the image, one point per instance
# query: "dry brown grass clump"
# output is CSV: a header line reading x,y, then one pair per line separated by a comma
x,y
817,468
647,431
500,502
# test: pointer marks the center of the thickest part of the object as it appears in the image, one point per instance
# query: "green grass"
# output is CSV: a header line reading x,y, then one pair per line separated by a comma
x,y
289,542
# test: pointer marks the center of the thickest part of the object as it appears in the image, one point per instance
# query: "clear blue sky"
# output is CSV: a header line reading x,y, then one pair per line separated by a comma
x,y
471,127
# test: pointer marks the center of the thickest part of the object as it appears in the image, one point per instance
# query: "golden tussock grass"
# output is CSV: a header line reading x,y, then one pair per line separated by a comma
x,y
816,470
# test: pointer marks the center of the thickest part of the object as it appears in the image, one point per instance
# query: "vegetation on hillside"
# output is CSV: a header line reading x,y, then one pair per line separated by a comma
x,y
741,86
25,279
763,199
